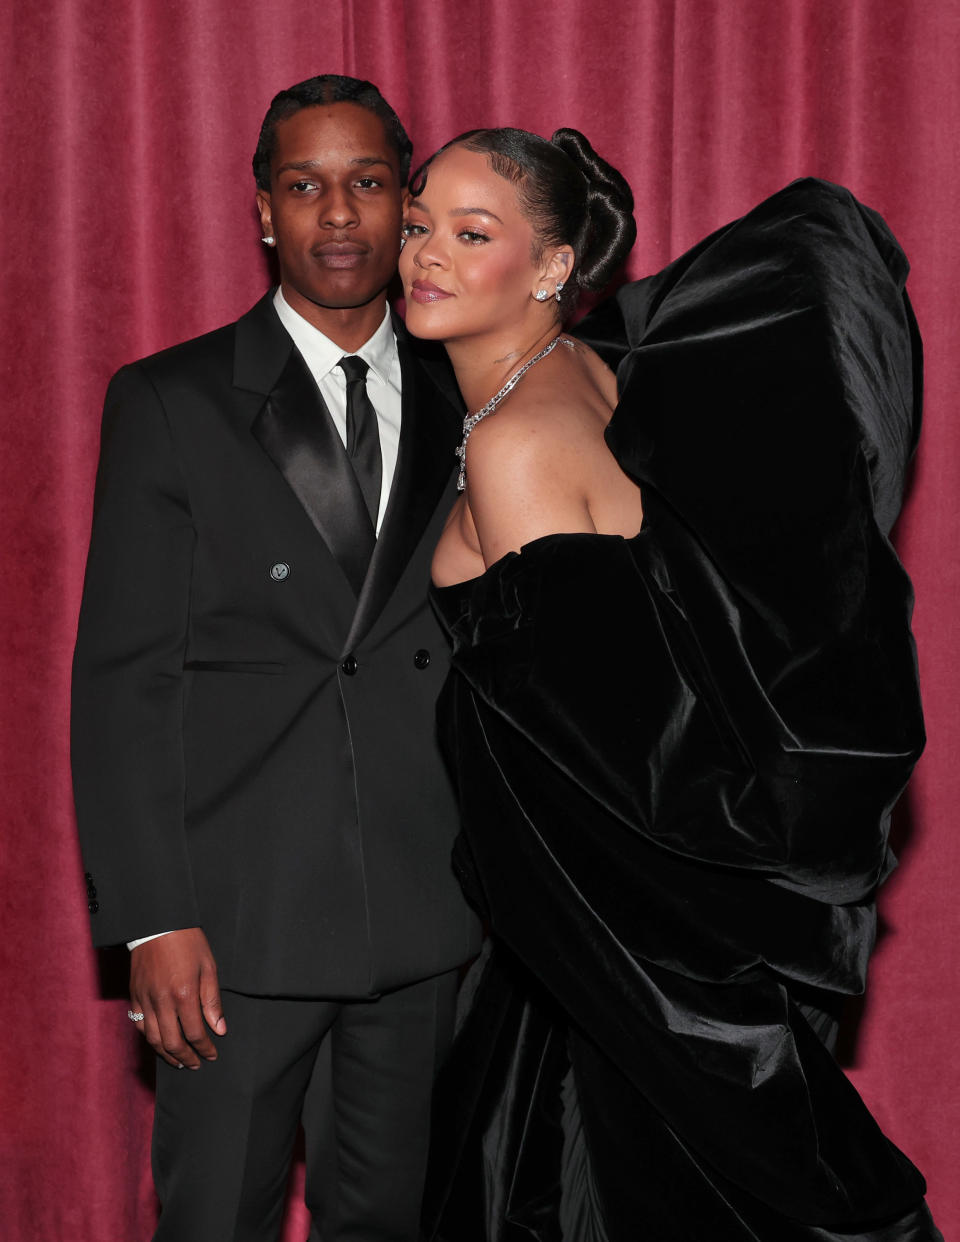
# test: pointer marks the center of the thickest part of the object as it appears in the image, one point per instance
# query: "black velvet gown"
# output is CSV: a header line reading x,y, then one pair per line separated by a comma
x,y
677,757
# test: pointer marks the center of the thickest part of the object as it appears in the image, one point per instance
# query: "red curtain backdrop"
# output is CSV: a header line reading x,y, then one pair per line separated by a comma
x,y
128,128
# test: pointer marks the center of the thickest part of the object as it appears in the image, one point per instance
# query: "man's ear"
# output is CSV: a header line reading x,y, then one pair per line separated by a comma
x,y
266,213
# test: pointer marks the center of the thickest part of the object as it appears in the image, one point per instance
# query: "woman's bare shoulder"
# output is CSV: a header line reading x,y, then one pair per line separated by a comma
x,y
536,444
600,374
562,406
540,464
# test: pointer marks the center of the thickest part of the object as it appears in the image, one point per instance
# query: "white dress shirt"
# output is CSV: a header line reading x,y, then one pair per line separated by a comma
x,y
383,382
383,388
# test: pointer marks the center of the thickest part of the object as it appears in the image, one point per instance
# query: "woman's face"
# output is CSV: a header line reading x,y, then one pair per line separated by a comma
x,y
466,267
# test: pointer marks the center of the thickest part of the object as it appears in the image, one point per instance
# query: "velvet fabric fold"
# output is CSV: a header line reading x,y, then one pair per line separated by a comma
x,y
677,756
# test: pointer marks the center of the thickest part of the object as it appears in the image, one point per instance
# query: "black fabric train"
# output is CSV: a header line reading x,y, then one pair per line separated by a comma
x,y
677,756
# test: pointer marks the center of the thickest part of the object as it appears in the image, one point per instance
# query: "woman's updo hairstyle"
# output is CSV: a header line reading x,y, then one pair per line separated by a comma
x,y
570,195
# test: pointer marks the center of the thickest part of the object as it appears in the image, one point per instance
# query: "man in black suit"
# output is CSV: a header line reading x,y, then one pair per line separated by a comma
x,y
261,803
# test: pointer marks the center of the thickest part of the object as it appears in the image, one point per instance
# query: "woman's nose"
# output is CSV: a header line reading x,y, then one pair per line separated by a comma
x,y
429,252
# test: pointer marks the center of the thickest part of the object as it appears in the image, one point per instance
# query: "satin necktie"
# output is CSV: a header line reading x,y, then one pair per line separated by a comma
x,y
363,434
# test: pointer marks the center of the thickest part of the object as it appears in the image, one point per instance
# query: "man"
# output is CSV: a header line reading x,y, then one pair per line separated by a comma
x,y
261,803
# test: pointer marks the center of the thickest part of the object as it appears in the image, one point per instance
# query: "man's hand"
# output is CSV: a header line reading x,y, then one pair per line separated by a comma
x,y
173,982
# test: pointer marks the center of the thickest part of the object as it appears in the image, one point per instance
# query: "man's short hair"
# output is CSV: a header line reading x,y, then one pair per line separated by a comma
x,y
329,88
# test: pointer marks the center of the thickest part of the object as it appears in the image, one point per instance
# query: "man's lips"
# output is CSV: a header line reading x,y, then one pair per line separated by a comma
x,y
427,291
340,254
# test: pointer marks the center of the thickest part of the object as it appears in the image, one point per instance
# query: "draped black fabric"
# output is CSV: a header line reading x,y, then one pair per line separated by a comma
x,y
677,756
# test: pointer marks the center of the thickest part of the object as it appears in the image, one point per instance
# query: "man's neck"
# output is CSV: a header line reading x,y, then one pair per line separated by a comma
x,y
349,327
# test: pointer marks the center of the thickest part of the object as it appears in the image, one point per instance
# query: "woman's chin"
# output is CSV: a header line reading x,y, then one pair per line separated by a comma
x,y
424,322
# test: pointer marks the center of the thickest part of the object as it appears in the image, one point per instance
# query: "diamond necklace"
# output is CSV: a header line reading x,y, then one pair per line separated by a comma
x,y
471,420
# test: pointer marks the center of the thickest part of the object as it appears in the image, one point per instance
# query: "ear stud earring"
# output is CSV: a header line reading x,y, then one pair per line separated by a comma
x,y
269,240
541,295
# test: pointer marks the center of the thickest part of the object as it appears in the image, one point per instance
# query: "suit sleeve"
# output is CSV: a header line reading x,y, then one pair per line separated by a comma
x,y
127,709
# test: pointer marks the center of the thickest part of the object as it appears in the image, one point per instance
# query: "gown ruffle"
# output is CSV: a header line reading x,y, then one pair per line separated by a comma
x,y
677,756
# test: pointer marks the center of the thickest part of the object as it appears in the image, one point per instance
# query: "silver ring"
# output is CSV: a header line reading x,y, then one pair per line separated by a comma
x,y
134,1017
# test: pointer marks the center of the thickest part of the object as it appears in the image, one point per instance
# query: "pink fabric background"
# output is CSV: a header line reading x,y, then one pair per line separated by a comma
x,y
127,133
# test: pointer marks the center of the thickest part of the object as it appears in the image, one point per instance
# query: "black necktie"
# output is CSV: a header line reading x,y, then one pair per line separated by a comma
x,y
363,434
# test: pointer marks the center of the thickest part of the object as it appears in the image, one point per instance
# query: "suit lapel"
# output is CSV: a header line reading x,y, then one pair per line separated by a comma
x,y
429,433
292,425
294,428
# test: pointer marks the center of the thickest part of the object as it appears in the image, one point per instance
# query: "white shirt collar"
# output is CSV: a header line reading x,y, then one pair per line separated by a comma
x,y
322,354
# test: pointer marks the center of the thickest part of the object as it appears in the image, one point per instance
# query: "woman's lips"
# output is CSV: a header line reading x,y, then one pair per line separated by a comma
x,y
427,291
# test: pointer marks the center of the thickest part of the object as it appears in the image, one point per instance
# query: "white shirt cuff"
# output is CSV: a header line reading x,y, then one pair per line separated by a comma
x,y
132,944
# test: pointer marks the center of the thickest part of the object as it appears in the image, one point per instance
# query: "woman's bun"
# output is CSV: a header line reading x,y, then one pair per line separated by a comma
x,y
610,228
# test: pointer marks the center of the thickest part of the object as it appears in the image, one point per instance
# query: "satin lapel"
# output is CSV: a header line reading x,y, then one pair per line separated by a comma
x,y
295,430
429,434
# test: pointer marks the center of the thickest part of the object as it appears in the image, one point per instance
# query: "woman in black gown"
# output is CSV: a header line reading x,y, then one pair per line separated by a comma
x,y
684,702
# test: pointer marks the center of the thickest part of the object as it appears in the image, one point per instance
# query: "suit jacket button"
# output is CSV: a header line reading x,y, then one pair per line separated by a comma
x,y
88,877
421,658
91,891
93,906
349,665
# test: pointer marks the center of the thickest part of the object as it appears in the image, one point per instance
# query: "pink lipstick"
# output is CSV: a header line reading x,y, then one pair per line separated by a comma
x,y
426,291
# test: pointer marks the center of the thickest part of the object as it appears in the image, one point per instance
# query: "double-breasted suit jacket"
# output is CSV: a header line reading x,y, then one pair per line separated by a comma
x,y
253,715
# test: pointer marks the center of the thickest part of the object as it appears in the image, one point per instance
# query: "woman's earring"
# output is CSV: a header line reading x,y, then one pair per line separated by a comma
x,y
559,289
403,242
270,240
541,295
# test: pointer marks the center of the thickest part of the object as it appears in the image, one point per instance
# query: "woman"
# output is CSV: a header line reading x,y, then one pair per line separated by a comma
x,y
677,749
483,280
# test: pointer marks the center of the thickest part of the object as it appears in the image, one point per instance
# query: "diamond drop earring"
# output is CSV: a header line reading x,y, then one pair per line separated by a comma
x,y
559,289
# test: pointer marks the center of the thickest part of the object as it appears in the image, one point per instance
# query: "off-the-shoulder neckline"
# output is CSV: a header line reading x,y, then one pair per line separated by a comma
x,y
528,549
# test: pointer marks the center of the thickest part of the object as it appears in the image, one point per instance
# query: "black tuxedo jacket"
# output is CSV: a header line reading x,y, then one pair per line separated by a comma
x,y
253,719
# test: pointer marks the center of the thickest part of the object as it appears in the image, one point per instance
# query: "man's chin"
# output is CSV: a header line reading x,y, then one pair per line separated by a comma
x,y
336,299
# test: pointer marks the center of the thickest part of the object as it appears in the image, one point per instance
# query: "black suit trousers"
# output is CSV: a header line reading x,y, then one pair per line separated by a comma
x,y
359,1073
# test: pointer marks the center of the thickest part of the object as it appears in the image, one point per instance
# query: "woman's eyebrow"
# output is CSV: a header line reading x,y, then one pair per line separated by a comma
x,y
476,211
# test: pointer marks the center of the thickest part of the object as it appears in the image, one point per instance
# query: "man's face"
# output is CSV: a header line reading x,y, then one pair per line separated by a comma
x,y
333,207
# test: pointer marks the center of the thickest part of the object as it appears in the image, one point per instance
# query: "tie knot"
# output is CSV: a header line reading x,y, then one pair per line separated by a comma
x,y
354,368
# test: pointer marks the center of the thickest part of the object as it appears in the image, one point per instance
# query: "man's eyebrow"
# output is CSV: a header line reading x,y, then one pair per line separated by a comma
x,y
362,161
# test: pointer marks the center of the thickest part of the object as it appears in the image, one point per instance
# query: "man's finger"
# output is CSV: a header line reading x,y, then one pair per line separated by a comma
x,y
210,1001
194,1030
150,1029
136,1014
173,1042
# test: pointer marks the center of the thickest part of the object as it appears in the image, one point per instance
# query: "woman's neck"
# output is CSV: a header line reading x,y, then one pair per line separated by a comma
x,y
483,366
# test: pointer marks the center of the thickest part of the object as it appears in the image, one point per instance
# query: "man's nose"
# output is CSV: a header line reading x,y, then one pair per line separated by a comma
x,y
338,209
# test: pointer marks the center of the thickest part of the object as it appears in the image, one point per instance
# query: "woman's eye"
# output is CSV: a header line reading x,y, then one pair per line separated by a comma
x,y
472,236
413,230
